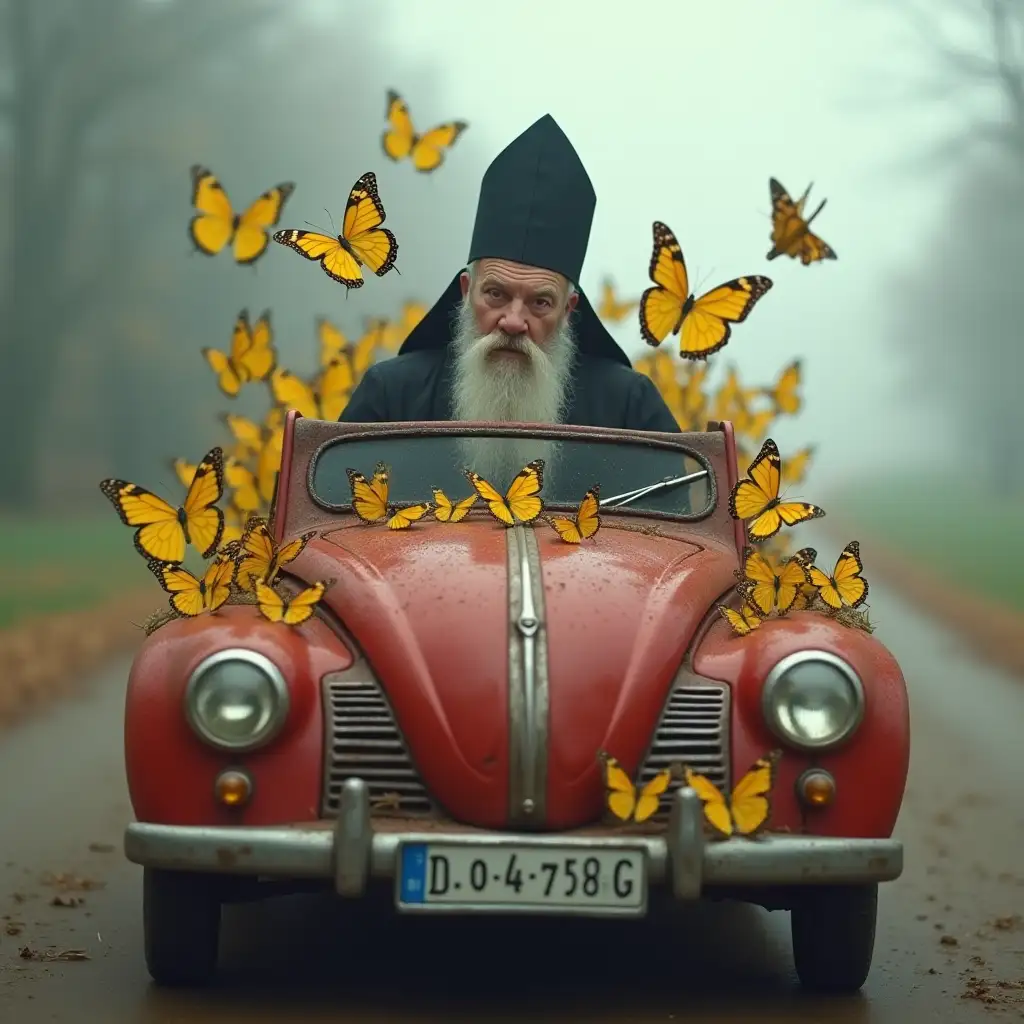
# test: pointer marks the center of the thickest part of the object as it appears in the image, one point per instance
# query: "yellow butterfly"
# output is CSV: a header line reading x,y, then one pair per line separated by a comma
x,y
251,357
806,592
324,399
362,242
268,463
232,535
192,595
447,511
730,396
670,307
611,309
259,558
401,140
370,500
522,500
795,467
769,588
627,801
292,612
247,434
585,523
744,621
216,223
396,333
747,810
791,235
751,424
845,586
165,531
784,394
241,480
755,499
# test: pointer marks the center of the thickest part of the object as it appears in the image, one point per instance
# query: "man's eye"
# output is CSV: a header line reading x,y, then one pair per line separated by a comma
x,y
494,293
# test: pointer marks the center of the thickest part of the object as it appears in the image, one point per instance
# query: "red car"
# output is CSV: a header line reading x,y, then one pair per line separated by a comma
x,y
436,725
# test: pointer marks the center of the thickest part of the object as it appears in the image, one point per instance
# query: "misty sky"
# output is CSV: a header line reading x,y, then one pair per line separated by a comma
x,y
682,115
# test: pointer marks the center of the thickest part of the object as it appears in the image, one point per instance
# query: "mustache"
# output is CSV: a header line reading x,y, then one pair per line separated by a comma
x,y
499,341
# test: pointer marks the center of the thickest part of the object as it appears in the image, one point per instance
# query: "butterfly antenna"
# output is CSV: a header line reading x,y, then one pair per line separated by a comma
x,y
322,231
821,206
331,219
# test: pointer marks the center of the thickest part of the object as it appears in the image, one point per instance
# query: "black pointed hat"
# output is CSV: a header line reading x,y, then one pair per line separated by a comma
x,y
536,207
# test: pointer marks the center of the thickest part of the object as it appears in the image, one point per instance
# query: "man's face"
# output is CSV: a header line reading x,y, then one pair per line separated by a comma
x,y
514,355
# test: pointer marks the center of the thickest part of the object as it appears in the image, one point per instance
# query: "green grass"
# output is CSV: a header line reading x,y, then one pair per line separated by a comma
x,y
960,532
49,565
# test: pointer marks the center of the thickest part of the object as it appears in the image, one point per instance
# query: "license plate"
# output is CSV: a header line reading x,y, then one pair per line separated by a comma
x,y
537,879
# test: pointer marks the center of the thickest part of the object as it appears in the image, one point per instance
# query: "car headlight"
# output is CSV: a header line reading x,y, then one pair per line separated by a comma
x,y
813,700
236,699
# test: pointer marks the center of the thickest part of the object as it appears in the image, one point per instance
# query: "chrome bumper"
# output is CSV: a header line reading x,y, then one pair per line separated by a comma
x,y
351,853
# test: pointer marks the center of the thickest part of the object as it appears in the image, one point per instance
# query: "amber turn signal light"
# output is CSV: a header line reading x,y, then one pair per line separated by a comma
x,y
816,788
233,788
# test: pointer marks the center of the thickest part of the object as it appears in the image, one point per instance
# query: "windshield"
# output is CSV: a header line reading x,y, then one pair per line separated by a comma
x,y
418,463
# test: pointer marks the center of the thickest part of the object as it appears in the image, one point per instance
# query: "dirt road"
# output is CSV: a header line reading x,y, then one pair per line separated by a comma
x,y
948,928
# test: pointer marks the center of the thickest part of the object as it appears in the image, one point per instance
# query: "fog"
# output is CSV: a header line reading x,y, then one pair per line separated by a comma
x,y
680,111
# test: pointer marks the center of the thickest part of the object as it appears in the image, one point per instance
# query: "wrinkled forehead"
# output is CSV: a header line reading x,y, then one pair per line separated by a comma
x,y
521,280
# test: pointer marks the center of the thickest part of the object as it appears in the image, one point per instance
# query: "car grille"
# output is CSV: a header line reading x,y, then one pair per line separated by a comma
x,y
694,729
363,741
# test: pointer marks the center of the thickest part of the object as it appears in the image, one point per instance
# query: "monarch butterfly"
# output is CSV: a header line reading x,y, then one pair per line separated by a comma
x,y
259,558
845,586
744,621
192,595
370,500
770,588
747,810
251,356
670,307
165,531
324,399
401,140
755,499
585,523
791,235
627,801
292,612
447,511
612,309
522,500
216,223
362,242
784,394
806,592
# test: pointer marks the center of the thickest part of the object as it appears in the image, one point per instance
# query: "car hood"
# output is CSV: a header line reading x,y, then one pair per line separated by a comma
x,y
435,610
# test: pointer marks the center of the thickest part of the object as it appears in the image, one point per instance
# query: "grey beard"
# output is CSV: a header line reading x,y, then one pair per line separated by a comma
x,y
533,391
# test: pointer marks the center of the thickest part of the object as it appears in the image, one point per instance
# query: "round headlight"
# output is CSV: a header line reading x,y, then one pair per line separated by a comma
x,y
236,699
813,700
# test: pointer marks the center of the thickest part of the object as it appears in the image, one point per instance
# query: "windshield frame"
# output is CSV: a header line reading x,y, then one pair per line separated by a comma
x,y
607,435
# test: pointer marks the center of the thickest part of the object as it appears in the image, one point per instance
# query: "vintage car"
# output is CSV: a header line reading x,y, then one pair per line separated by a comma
x,y
435,727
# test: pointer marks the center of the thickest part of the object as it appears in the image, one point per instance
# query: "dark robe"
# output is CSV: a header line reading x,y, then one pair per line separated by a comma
x,y
417,386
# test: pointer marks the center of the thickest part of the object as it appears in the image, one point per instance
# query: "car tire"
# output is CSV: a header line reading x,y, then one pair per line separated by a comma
x,y
833,929
181,913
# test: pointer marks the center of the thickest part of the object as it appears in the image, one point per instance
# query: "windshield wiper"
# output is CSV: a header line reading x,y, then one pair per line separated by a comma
x,y
669,483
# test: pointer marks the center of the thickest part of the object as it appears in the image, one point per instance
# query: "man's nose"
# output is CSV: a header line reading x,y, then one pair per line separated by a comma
x,y
514,320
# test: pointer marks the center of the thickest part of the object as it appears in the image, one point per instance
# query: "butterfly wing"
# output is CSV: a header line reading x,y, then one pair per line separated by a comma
x,y
793,512
184,588
845,585
251,235
743,622
429,149
398,140
757,570
813,248
214,223
367,500
290,551
245,494
661,307
403,518
294,393
705,327
269,463
756,492
650,796
217,582
245,432
301,606
795,467
585,523
184,471
374,246
523,495
256,552
446,511
334,259
495,502
260,357
621,793
334,387
751,803
230,369
791,577
785,393
787,222
204,521
160,535
269,601
716,810
333,342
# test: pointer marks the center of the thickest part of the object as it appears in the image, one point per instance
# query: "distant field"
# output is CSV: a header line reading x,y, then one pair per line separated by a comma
x,y
962,534
60,565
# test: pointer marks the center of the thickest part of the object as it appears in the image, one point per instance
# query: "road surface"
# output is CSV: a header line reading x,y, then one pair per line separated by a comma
x,y
948,920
